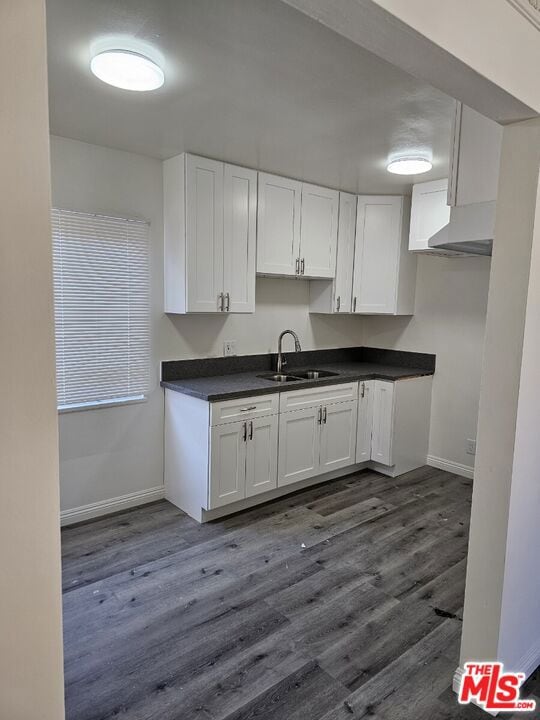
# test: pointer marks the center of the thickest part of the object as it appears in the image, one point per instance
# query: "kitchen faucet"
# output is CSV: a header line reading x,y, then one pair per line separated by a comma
x,y
297,348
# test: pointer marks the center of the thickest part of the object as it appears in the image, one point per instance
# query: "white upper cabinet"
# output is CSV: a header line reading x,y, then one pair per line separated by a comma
x,y
278,226
204,234
210,236
239,233
297,228
384,278
336,297
475,158
318,231
430,214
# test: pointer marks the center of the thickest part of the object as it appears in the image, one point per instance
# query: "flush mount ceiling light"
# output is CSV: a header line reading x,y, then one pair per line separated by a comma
x,y
127,70
409,166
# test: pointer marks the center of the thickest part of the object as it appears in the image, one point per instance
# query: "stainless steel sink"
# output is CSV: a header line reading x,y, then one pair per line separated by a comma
x,y
314,374
279,377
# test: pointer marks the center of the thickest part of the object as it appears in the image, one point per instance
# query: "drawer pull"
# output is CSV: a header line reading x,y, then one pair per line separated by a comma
x,y
247,409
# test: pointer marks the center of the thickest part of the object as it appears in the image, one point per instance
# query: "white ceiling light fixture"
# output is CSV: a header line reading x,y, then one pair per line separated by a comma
x,y
409,165
127,70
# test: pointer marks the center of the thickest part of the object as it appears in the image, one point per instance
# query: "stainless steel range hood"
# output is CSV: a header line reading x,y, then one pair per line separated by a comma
x,y
469,232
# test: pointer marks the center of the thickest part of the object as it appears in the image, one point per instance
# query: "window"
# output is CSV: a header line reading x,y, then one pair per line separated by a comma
x,y
101,289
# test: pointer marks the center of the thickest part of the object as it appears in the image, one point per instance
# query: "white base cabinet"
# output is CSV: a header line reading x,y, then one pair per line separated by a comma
x,y
393,424
220,456
316,439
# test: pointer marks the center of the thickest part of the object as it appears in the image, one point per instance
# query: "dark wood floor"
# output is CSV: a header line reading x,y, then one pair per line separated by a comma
x,y
339,602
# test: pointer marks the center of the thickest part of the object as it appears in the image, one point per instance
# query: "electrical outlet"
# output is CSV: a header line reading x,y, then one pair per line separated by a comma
x,y
229,347
471,447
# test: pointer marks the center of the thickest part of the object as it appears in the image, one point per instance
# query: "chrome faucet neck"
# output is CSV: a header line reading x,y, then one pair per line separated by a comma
x,y
281,361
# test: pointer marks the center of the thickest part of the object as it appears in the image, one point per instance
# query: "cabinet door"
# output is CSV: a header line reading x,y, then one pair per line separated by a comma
x,y
318,231
298,456
240,235
383,422
204,234
376,262
278,225
345,253
338,436
227,464
429,213
262,452
365,421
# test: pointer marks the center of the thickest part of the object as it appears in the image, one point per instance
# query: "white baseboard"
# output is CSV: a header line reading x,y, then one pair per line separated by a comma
x,y
450,466
105,507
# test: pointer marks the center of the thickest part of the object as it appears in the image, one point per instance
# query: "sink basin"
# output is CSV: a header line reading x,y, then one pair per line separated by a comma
x,y
314,374
278,377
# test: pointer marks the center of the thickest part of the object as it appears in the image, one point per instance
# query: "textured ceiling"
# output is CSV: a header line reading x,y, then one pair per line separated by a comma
x,y
249,81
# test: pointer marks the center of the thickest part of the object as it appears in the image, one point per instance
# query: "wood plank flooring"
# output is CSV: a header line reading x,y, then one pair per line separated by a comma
x,y
339,602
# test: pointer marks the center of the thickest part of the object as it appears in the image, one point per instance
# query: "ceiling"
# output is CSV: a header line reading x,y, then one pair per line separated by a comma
x,y
253,82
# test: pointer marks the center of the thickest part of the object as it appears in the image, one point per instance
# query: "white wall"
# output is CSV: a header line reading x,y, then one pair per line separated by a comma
x,y
519,639
112,452
449,320
501,619
31,671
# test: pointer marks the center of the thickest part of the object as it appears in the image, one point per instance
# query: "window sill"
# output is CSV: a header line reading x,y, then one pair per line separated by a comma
x,y
100,404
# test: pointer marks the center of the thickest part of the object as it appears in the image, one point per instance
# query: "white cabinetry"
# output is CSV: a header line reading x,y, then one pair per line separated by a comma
x,y
336,296
474,177
383,420
243,460
375,272
219,456
319,436
297,228
299,432
278,225
430,214
210,236
384,271
365,421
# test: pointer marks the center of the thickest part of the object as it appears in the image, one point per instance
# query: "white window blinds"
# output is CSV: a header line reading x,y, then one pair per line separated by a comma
x,y
101,288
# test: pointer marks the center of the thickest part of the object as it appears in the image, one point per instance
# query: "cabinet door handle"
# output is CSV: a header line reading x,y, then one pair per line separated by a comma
x,y
247,409
221,300
338,302
363,389
303,264
354,305
228,306
324,416
251,429
245,432
298,266
319,416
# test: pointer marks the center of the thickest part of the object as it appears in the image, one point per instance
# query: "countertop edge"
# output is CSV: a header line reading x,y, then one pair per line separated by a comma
x,y
176,385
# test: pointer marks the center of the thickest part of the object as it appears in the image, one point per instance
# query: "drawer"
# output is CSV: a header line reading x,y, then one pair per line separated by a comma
x,y
325,395
227,411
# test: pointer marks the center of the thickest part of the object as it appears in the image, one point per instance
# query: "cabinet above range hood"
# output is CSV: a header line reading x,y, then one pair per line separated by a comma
x,y
472,188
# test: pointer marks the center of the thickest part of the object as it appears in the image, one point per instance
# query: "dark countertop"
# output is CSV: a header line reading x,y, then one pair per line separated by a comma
x,y
242,384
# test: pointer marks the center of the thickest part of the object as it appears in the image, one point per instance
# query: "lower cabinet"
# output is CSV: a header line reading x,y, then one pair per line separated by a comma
x,y
217,454
383,422
365,421
243,459
316,440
